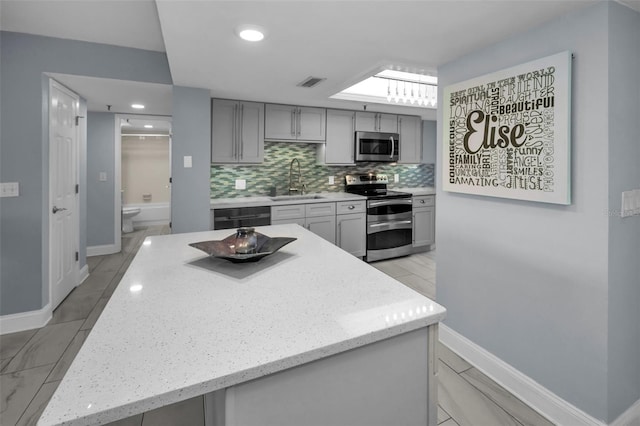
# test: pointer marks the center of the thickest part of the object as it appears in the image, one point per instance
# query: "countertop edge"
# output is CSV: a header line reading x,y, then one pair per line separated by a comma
x,y
207,386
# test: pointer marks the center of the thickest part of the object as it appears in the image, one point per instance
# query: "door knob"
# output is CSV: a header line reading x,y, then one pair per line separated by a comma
x,y
56,210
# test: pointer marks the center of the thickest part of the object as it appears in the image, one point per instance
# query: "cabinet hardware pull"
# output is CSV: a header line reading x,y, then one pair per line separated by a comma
x,y
293,122
240,122
234,129
351,207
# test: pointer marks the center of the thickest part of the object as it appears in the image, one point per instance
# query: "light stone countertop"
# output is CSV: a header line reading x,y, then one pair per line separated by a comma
x,y
223,203
181,324
428,190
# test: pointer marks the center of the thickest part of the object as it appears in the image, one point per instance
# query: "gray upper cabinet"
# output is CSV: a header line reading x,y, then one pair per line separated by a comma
x,y
294,123
339,148
237,131
376,122
410,139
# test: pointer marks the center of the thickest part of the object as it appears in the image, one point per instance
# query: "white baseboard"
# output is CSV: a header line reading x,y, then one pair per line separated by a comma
x,y
83,274
102,250
631,417
522,386
25,320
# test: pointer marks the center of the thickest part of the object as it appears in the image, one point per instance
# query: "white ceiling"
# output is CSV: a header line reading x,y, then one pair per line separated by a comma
x,y
342,41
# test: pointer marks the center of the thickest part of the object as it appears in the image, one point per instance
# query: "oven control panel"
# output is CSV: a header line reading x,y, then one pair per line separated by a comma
x,y
366,179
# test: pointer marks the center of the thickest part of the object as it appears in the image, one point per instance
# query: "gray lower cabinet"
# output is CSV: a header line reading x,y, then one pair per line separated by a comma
x,y
319,218
351,227
424,220
323,226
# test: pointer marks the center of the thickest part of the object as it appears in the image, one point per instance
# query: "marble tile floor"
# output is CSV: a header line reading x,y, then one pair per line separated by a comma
x,y
33,362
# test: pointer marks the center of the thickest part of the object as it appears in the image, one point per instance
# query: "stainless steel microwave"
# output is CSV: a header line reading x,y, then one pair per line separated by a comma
x,y
375,146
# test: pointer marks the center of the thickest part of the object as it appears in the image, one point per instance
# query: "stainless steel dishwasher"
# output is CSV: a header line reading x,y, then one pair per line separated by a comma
x,y
241,216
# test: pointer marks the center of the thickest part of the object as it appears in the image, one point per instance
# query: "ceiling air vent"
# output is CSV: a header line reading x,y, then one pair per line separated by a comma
x,y
310,81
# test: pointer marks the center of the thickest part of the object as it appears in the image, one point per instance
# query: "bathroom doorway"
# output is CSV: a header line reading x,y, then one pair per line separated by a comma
x,y
145,171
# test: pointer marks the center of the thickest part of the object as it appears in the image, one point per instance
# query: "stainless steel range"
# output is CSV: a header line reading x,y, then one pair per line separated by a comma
x,y
389,216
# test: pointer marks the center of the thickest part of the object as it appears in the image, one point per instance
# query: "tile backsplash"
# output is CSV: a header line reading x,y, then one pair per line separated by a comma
x,y
274,172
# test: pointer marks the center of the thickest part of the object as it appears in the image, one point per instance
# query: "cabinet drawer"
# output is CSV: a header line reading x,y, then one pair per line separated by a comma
x,y
320,209
346,207
424,201
287,212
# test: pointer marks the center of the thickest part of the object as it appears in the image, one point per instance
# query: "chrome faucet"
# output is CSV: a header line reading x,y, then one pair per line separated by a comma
x,y
300,186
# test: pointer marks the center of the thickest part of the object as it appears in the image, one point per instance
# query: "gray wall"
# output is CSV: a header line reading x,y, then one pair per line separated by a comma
x,y
100,195
23,142
191,127
530,282
624,233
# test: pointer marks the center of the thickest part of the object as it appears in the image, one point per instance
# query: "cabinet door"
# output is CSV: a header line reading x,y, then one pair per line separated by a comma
x,y
287,211
280,122
410,139
323,226
340,143
424,226
311,124
251,137
351,233
300,221
320,209
223,131
366,122
387,123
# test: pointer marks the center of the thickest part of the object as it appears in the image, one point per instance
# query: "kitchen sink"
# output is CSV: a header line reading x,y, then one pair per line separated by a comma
x,y
297,197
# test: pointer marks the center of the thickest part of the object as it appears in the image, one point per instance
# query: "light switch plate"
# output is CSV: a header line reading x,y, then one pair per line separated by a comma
x,y
102,176
188,162
241,184
9,189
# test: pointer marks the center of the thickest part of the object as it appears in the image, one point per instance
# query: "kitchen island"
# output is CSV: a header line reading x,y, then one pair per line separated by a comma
x,y
308,335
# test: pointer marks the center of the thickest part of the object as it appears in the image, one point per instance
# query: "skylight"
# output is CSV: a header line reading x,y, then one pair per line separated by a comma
x,y
394,87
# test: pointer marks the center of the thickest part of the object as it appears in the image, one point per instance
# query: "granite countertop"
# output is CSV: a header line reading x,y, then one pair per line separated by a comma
x,y
428,190
181,324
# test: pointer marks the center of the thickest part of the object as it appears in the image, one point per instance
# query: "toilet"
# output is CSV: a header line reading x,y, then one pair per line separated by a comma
x,y
127,218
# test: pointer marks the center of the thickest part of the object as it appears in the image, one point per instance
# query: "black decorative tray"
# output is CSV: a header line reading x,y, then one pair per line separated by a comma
x,y
225,249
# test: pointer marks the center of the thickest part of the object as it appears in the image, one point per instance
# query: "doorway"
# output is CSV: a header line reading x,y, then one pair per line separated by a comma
x,y
145,170
63,207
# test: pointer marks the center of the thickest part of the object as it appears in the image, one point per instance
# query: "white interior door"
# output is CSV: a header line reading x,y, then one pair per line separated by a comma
x,y
63,177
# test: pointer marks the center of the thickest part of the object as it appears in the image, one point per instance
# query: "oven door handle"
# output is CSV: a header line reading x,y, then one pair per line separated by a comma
x,y
392,225
404,201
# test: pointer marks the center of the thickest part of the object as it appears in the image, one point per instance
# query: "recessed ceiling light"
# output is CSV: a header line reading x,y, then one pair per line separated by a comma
x,y
148,126
250,32
137,106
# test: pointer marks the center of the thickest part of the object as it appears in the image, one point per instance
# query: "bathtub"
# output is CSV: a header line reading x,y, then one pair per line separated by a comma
x,y
151,214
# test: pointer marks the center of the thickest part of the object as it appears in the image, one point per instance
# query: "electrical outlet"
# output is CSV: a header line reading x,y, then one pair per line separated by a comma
x,y
396,178
332,180
188,162
241,184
